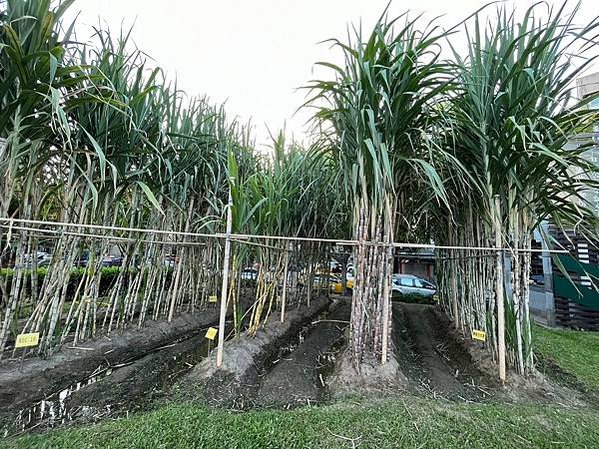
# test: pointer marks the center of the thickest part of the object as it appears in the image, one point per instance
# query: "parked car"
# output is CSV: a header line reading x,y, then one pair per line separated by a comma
x,y
112,261
43,259
349,276
409,284
337,287
334,283
335,266
82,261
249,274
320,281
170,260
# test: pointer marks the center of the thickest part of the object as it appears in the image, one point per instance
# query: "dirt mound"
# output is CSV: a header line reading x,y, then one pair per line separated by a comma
x,y
372,379
284,365
41,378
137,384
235,383
111,391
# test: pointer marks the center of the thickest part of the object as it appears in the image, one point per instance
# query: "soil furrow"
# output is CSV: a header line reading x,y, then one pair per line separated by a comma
x,y
430,357
298,377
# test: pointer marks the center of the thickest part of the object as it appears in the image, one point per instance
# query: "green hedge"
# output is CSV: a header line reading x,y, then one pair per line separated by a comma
x,y
107,279
413,298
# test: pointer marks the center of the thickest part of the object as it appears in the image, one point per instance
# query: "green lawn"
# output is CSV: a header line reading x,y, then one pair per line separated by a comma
x,y
575,352
391,423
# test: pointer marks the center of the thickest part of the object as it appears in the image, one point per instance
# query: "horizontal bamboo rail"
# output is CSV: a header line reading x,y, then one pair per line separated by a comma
x,y
112,238
242,237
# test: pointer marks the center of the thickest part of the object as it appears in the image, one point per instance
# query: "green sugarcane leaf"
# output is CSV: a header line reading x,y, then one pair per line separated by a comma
x,y
150,196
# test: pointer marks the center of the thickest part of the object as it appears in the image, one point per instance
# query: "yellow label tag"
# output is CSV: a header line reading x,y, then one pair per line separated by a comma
x,y
212,298
26,340
211,333
479,335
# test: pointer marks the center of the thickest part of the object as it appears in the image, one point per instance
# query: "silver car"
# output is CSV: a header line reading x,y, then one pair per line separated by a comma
x,y
409,284
43,259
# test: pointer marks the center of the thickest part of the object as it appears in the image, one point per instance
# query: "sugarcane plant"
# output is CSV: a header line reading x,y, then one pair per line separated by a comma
x,y
375,116
286,195
411,145
509,121
92,135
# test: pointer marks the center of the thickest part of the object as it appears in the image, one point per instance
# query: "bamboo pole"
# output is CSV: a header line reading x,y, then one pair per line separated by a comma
x,y
54,234
284,294
387,279
273,237
388,263
499,292
225,285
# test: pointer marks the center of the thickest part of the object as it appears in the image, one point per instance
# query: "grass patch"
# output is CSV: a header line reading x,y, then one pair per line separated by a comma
x,y
575,352
391,423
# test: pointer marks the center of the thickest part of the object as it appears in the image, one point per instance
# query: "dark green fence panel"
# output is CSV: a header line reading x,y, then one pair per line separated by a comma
x,y
574,266
576,292
576,305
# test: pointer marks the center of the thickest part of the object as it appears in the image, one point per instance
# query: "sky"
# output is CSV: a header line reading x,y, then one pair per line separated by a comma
x,y
254,55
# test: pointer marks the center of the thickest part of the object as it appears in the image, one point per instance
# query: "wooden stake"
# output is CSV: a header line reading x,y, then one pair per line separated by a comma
x,y
284,294
386,300
499,291
225,284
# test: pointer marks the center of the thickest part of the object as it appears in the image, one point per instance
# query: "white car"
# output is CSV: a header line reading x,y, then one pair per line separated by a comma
x,y
409,284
